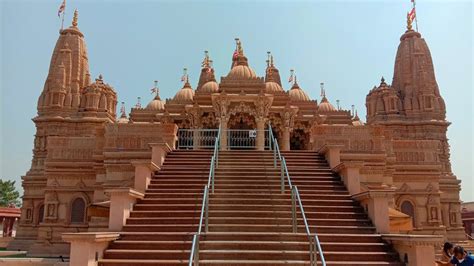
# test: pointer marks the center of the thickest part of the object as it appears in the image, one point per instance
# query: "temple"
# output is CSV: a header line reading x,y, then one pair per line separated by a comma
x,y
84,153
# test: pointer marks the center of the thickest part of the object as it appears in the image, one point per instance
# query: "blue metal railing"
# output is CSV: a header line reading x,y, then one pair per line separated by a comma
x,y
204,218
314,243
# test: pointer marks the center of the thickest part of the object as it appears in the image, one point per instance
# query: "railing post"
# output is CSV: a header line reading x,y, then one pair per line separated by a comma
x,y
206,211
212,174
293,210
282,177
196,257
274,154
217,150
316,251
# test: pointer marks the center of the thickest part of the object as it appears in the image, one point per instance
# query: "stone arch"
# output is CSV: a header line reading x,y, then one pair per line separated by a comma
x,y
408,207
40,214
78,211
78,208
242,121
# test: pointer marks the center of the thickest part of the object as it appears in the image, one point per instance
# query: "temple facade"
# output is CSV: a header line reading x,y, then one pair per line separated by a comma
x,y
82,148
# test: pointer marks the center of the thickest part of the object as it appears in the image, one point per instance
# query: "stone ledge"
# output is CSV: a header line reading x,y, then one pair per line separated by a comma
x,y
370,194
418,240
326,147
125,190
161,144
146,162
90,236
348,164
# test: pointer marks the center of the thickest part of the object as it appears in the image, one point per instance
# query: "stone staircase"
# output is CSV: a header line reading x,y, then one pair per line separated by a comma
x,y
249,217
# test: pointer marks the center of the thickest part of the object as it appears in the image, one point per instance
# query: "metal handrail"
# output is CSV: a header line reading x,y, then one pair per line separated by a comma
x,y
314,243
204,217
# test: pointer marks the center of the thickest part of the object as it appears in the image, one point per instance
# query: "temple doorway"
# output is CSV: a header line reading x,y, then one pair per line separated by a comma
x,y
241,132
299,139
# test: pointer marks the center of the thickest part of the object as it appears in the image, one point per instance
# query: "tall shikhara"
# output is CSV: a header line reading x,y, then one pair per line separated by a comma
x,y
413,115
70,111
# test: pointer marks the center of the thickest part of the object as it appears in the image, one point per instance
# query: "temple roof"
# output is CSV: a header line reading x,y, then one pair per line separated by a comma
x,y
240,68
297,94
185,94
69,67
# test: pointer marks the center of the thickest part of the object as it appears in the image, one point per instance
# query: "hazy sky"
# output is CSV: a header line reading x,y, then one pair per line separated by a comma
x,y
348,45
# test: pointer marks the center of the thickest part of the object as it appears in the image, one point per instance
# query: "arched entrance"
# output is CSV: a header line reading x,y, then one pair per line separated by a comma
x,y
299,139
241,133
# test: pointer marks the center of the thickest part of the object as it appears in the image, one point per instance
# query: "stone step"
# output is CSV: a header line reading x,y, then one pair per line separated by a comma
x,y
242,207
135,262
249,217
252,213
245,255
247,228
275,220
251,245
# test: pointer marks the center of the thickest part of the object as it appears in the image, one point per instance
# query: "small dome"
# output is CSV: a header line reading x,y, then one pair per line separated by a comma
x,y
241,72
210,86
326,106
122,120
186,94
297,94
272,86
156,104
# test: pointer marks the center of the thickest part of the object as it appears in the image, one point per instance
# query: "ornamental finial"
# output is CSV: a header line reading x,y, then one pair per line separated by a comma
x,y
323,92
206,62
239,46
74,19
409,22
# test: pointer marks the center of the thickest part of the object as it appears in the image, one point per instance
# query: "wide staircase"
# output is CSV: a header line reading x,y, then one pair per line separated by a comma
x,y
250,220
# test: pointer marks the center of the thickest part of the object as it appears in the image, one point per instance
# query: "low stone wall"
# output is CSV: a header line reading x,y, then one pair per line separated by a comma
x,y
32,262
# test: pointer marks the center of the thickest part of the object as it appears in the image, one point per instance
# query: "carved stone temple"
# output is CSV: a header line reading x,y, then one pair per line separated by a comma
x,y
83,150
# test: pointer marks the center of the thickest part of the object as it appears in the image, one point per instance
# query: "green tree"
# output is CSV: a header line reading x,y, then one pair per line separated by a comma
x,y
8,193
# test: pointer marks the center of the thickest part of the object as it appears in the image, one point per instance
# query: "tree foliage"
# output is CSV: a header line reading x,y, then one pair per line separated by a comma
x,y
8,193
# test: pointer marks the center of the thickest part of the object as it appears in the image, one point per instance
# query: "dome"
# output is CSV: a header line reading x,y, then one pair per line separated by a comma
x,y
156,104
326,106
241,72
297,94
122,120
186,94
210,86
272,86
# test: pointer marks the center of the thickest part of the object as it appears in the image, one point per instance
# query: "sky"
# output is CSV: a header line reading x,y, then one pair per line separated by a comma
x,y
349,45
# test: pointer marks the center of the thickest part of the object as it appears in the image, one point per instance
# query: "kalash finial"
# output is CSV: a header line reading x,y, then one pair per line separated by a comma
x,y
185,77
206,62
323,92
155,89
268,58
409,22
74,19
123,113
292,76
239,46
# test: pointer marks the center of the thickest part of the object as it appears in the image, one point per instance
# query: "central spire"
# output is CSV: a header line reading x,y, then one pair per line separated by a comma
x,y
240,68
238,58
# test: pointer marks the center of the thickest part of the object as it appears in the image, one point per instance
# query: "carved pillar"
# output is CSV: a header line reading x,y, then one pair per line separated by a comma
x,y
260,145
223,124
285,142
196,139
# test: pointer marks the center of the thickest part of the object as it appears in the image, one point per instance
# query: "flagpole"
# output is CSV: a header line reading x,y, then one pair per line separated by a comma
x,y
416,15
62,20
